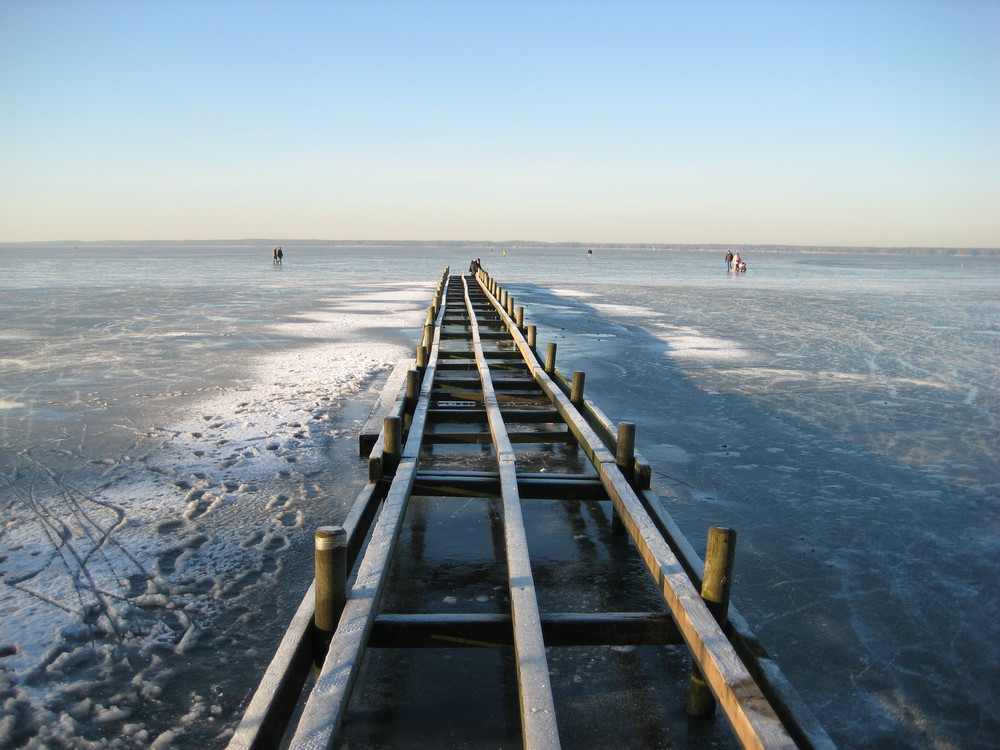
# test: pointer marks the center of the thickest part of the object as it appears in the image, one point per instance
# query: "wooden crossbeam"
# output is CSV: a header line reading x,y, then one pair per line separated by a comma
x,y
565,629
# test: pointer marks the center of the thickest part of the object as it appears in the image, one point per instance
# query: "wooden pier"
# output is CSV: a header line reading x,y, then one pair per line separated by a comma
x,y
477,420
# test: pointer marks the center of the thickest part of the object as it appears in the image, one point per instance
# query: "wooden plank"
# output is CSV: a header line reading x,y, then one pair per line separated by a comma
x,y
496,630
568,487
266,718
458,438
523,397
478,416
326,707
538,716
388,404
502,383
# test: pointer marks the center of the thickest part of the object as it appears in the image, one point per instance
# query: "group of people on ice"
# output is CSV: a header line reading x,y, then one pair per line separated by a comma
x,y
277,255
734,262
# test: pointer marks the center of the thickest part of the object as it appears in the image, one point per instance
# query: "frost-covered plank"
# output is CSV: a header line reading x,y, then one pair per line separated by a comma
x,y
495,630
538,716
266,718
388,404
327,705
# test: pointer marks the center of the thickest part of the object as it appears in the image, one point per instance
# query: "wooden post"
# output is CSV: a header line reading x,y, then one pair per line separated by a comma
x,y
331,585
716,586
422,358
519,319
576,391
625,459
430,317
510,306
428,336
550,358
393,446
532,336
411,396
625,455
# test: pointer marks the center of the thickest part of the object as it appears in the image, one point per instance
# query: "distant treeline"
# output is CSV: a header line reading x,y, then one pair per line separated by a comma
x,y
482,245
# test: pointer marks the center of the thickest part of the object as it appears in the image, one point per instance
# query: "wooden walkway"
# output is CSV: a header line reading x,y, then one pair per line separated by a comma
x,y
477,415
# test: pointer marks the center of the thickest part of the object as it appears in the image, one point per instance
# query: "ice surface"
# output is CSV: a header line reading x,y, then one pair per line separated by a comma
x,y
850,436
175,423
139,526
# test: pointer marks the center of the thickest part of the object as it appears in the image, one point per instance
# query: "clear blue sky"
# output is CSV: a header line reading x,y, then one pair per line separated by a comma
x,y
809,122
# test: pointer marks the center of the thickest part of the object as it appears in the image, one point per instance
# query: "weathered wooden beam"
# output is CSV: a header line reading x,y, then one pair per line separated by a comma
x,y
269,712
484,438
538,716
564,629
511,414
518,397
500,383
388,404
579,487
326,707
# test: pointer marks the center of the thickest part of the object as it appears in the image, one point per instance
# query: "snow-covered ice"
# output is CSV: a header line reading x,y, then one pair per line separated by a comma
x,y
174,423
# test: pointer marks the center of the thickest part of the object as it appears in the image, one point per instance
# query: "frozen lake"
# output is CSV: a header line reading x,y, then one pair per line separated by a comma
x,y
175,422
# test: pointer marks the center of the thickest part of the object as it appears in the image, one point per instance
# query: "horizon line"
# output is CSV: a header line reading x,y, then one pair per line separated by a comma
x,y
498,243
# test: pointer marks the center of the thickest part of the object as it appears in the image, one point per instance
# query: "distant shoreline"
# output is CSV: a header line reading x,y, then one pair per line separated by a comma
x,y
981,252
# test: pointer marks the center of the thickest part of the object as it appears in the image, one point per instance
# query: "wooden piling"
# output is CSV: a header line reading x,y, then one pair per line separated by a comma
x,y
422,352
331,584
576,391
428,339
550,358
625,459
393,449
716,586
532,336
519,318
625,455
411,396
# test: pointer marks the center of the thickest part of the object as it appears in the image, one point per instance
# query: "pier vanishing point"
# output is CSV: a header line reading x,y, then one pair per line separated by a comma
x,y
507,578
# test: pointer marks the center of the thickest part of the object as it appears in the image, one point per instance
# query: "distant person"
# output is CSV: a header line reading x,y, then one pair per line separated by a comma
x,y
729,258
474,266
280,254
274,255
736,261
